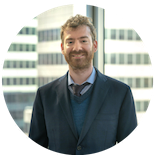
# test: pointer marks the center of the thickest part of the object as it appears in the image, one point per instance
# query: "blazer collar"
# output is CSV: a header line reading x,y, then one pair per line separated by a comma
x,y
100,90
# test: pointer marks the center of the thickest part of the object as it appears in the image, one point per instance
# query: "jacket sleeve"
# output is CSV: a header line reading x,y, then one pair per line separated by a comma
x,y
127,117
38,131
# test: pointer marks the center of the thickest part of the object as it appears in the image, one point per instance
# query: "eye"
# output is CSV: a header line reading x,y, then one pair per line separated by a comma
x,y
84,41
69,42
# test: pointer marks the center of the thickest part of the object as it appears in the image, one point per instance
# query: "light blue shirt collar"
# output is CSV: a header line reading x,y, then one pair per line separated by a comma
x,y
91,78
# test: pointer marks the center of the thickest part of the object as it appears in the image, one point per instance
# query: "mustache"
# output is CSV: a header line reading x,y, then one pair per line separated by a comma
x,y
78,52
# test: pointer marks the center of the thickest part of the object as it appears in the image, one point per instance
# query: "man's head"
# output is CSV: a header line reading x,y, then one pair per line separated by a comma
x,y
78,42
76,21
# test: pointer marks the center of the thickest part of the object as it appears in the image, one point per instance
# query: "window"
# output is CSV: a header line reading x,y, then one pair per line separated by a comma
x,y
121,58
39,59
27,47
14,81
113,34
105,59
64,61
41,36
121,34
24,47
138,82
20,64
49,35
146,103
33,47
138,106
146,59
45,35
27,30
43,58
21,81
8,81
14,47
129,58
152,81
54,34
3,81
146,82
14,64
138,58
30,47
17,114
30,30
113,58
130,34
57,34
33,64
20,47
27,64
130,82
33,81
58,58
30,64
49,61
49,38
8,64
18,97
33,30
54,58
27,81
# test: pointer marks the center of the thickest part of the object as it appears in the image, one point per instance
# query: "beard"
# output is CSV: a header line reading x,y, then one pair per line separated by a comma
x,y
81,63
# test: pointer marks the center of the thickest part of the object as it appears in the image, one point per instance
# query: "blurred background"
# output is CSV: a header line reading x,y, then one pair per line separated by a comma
x,y
34,58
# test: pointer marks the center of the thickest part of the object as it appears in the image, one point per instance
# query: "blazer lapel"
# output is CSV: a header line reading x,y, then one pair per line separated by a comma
x,y
64,101
100,91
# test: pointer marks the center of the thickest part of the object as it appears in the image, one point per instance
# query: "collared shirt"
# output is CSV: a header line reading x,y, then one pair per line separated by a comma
x,y
90,80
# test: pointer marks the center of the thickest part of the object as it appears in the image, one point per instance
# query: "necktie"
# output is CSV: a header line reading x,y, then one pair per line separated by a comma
x,y
77,88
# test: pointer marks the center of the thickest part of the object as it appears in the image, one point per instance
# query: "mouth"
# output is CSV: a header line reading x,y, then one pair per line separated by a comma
x,y
78,56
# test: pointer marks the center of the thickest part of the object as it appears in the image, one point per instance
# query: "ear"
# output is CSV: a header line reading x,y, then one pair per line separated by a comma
x,y
62,48
95,44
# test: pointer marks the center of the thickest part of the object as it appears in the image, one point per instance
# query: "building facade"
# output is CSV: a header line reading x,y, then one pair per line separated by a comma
x,y
127,60
19,76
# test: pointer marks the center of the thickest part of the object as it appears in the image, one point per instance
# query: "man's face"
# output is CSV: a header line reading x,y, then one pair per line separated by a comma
x,y
78,48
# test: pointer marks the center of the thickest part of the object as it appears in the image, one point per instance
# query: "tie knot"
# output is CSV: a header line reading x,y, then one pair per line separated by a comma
x,y
77,88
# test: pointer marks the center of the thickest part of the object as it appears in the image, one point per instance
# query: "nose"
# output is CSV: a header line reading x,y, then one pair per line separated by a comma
x,y
77,46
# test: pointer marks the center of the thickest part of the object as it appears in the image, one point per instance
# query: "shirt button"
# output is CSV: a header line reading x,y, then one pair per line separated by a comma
x,y
79,148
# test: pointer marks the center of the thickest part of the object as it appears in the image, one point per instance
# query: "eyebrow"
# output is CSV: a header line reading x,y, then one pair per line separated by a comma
x,y
78,38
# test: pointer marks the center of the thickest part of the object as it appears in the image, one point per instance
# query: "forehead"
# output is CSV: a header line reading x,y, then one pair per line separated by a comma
x,y
77,32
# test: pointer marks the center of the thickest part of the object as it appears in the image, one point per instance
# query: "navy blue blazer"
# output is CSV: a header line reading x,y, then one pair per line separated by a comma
x,y
109,119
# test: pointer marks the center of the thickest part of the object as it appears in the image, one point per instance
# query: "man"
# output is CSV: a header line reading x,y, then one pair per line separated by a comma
x,y
95,119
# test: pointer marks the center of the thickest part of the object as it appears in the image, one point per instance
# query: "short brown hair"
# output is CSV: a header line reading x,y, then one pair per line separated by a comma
x,y
76,21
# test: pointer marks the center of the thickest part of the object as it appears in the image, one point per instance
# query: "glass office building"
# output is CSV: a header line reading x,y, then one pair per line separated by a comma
x,y
19,77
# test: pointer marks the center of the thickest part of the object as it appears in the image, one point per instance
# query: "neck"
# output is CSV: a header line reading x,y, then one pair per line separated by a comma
x,y
79,76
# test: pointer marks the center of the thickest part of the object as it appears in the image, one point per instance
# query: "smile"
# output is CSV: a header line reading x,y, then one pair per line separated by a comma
x,y
78,56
